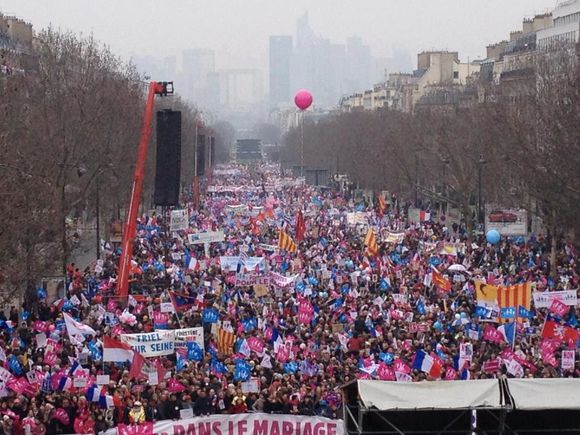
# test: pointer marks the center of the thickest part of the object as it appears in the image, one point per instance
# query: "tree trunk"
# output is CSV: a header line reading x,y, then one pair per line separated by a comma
x,y
553,246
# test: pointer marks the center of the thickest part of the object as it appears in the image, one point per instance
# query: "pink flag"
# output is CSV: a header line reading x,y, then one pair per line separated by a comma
x,y
50,358
62,416
401,367
256,345
450,374
283,354
40,326
385,373
559,308
304,317
174,386
18,385
491,366
492,334
111,306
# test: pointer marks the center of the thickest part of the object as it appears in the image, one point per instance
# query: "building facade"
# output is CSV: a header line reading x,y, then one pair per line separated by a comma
x,y
280,55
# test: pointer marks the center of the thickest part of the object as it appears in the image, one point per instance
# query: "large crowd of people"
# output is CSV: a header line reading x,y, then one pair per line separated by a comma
x,y
283,329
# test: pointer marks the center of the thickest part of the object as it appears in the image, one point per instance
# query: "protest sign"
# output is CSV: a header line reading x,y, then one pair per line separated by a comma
x,y
545,299
189,335
251,386
208,237
179,220
568,359
261,290
103,379
166,307
151,344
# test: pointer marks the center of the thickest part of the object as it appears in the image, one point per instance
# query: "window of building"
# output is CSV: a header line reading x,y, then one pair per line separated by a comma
x,y
455,74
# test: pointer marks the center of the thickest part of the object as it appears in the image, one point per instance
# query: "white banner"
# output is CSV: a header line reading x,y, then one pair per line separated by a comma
x,y
244,424
246,280
357,218
237,209
209,237
281,280
179,220
506,221
151,344
390,237
229,264
545,299
188,335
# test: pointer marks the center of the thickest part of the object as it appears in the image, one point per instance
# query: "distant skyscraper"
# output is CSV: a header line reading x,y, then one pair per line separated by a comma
x,y
196,65
280,56
359,64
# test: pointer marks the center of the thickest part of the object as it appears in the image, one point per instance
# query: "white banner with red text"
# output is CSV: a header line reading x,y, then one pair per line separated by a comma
x,y
242,424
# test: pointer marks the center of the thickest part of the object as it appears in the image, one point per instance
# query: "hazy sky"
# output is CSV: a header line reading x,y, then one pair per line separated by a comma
x,y
238,30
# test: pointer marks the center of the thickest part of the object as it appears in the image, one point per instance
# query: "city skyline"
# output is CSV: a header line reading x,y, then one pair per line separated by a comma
x,y
239,37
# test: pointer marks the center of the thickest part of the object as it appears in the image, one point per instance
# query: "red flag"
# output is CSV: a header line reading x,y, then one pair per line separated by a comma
x,y
300,227
161,370
559,332
440,281
136,371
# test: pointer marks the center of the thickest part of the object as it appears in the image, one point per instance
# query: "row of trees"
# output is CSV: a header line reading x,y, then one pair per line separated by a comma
x,y
525,147
68,131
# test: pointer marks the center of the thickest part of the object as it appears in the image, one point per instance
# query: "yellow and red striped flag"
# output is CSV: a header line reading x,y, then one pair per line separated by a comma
x,y
225,341
440,281
515,296
286,243
371,243
382,205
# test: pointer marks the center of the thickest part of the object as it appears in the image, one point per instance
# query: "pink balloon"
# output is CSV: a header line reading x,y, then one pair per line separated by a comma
x,y
303,99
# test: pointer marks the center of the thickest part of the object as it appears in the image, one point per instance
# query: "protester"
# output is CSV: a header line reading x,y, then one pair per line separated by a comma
x,y
283,329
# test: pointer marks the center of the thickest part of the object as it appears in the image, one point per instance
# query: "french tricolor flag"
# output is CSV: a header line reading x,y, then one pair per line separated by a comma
x,y
116,351
427,364
93,393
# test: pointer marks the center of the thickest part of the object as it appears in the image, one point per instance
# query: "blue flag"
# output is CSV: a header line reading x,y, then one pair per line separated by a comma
x,y
291,367
194,352
250,324
218,368
523,312
242,371
15,366
210,315
180,364
507,313
572,320
386,357
96,353
421,307
481,311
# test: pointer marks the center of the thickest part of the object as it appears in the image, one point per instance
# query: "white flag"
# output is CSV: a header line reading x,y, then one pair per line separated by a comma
x,y
77,329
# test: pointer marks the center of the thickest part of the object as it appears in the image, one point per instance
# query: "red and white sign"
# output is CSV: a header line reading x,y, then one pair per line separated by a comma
x,y
243,424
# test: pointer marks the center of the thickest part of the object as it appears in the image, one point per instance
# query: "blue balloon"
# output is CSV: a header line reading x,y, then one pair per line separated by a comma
x,y
492,237
313,281
437,325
